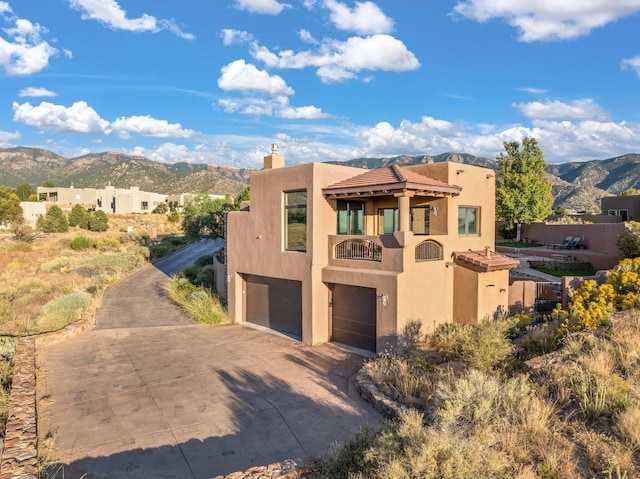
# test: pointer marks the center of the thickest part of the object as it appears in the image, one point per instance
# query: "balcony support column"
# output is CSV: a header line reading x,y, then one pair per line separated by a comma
x,y
404,234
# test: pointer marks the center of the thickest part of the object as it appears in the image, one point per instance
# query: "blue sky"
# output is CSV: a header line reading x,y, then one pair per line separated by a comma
x,y
218,81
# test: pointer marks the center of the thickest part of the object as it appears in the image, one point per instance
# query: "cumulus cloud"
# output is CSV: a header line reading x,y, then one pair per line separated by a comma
x,y
112,15
148,126
365,18
23,52
278,107
36,92
78,118
7,137
306,37
241,76
337,61
632,64
547,20
231,36
578,109
267,7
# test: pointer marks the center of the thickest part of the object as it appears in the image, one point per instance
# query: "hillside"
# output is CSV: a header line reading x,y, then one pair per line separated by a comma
x,y
35,166
576,186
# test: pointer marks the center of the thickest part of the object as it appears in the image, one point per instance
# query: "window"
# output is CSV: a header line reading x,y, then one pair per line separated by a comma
x,y
295,211
350,218
387,221
624,214
420,220
613,212
144,206
468,221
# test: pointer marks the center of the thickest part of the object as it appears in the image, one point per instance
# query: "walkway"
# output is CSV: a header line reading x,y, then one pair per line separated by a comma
x,y
149,394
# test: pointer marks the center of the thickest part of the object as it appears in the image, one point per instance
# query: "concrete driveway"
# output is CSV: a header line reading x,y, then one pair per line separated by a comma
x,y
148,394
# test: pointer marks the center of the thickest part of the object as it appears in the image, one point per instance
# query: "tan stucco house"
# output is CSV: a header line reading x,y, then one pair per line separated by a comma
x,y
334,253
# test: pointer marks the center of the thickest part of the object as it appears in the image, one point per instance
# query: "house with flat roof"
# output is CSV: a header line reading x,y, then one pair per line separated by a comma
x,y
334,253
108,199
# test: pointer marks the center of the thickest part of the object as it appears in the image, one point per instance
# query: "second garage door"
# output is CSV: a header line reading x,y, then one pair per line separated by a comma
x,y
274,303
354,316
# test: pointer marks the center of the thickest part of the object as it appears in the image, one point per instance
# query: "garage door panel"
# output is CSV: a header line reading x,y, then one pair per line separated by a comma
x,y
354,316
274,303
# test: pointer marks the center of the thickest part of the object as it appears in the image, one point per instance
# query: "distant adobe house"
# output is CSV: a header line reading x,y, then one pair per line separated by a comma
x,y
626,207
108,199
333,253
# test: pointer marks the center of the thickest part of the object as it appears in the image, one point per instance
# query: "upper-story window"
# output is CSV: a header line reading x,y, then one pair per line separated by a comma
x,y
350,218
295,217
144,206
468,218
387,221
420,220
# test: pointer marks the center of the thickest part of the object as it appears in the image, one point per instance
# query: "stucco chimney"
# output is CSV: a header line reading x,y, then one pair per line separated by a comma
x,y
273,160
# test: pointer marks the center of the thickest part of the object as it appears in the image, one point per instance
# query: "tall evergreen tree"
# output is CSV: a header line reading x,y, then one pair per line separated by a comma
x,y
54,221
79,216
522,193
10,209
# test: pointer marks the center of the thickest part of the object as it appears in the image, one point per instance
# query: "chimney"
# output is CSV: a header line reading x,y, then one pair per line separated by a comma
x,y
274,160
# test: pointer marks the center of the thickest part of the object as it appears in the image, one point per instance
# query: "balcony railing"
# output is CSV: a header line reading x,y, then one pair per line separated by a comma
x,y
428,250
358,249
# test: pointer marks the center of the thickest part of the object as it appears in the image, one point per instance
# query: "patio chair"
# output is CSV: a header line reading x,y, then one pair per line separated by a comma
x,y
575,243
564,244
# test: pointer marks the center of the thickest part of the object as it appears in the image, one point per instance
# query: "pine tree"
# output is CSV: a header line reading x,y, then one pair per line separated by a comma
x,y
99,221
79,216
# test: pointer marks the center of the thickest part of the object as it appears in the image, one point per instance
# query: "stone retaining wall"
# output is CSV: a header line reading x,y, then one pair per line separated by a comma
x,y
20,452
289,469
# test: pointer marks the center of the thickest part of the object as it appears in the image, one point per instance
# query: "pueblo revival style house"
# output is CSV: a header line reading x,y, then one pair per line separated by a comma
x,y
334,253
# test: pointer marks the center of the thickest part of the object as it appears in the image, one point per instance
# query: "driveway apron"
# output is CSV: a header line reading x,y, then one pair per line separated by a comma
x,y
147,393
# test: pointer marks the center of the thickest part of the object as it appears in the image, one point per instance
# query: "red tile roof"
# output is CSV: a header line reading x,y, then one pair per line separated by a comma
x,y
479,261
390,178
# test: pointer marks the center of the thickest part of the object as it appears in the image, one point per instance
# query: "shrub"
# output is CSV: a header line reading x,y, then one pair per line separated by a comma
x,y
174,217
99,221
81,242
107,244
79,216
204,260
54,221
63,310
196,301
484,347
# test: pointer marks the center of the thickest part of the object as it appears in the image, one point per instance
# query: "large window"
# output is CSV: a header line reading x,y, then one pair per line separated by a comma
x,y
350,217
295,216
387,221
468,218
420,220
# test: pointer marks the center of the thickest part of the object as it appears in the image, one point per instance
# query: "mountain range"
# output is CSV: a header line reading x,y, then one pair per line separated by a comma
x,y
576,185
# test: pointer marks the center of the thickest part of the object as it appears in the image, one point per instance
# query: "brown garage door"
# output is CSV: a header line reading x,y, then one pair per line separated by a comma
x,y
274,303
354,316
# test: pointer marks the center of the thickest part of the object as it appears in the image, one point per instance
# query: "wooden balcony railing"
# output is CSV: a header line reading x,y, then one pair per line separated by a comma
x,y
429,250
360,249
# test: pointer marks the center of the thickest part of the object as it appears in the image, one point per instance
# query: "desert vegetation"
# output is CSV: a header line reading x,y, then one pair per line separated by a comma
x,y
511,399
52,280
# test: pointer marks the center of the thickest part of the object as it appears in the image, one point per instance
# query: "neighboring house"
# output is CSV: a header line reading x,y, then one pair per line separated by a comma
x,y
31,210
180,200
108,199
626,207
333,253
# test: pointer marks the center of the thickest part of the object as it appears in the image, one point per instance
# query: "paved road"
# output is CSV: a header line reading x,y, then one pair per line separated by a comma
x,y
148,394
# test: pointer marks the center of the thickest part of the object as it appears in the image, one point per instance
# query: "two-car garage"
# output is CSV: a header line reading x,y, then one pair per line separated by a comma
x,y
277,304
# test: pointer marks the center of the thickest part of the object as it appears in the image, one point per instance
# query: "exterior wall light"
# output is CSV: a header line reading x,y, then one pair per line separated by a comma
x,y
383,298
228,278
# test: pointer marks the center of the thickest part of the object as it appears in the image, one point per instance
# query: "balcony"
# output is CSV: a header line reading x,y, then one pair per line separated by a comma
x,y
358,249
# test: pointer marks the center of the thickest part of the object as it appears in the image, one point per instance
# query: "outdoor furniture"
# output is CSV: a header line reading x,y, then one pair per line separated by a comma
x,y
564,243
573,243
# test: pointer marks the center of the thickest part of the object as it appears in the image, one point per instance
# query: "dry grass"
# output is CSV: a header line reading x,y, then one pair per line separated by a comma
x,y
574,413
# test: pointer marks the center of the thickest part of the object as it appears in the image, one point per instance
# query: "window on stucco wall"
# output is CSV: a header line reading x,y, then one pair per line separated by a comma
x,y
295,211
468,219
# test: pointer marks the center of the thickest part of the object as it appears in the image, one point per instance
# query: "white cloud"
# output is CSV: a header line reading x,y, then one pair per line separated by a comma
x,y
67,53
7,137
632,64
25,52
278,107
111,14
578,109
36,92
148,126
533,91
267,7
245,77
365,18
338,61
546,20
235,37
78,118
306,37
